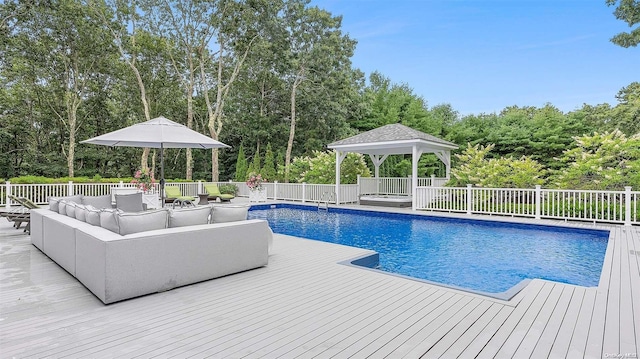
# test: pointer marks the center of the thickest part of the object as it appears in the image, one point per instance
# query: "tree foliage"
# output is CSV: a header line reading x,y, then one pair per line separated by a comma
x,y
504,172
629,12
321,168
602,161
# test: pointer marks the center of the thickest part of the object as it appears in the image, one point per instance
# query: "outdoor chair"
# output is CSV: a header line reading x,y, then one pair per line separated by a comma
x,y
172,193
214,193
130,202
21,216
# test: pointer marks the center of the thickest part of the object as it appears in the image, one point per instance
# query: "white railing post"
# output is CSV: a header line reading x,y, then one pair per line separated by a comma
x,y
304,192
70,188
538,200
275,190
358,189
627,205
469,198
200,188
433,180
7,202
410,186
121,184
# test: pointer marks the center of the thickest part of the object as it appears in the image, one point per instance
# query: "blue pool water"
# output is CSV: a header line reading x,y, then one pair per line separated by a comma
x,y
481,256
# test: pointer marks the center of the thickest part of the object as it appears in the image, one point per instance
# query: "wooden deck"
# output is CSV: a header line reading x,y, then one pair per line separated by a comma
x,y
306,305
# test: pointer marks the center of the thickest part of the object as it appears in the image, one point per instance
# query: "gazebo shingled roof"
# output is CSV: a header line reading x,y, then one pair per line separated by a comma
x,y
392,132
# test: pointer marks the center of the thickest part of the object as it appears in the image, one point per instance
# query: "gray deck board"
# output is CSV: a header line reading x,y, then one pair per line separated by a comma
x,y
305,304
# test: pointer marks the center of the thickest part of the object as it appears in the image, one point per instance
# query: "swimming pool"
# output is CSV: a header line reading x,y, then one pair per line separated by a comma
x,y
480,256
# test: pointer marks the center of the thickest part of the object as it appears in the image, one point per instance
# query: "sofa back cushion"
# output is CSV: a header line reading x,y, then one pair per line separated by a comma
x,y
108,219
92,215
71,209
181,217
55,201
62,206
97,201
134,222
81,212
226,213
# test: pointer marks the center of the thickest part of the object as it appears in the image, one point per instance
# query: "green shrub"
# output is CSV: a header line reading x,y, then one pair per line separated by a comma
x,y
229,189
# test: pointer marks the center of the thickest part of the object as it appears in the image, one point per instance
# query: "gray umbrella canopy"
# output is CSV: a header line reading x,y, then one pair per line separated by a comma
x,y
157,133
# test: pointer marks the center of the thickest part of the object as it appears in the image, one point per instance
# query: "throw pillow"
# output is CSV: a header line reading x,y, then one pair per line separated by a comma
x,y
226,213
93,215
181,217
134,222
53,203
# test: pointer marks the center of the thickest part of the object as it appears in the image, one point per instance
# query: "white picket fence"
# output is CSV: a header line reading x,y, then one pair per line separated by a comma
x,y
304,192
576,205
579,205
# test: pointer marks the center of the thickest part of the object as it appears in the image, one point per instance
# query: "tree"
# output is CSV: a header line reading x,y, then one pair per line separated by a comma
x,y
241,166
186,26
321,168
626,115
317,53
504,172
64,46
629,12
268,169
601,161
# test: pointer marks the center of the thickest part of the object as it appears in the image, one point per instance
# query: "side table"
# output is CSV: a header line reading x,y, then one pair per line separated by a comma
x,y
204,198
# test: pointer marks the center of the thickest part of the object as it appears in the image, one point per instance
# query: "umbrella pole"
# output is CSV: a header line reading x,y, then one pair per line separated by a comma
x,y
162,174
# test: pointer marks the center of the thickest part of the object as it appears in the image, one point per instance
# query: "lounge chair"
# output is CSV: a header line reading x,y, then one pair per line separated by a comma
x,y
214,193
23,216
173,194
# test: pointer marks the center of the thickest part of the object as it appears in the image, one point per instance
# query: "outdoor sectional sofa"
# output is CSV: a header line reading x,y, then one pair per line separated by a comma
x,y
116,266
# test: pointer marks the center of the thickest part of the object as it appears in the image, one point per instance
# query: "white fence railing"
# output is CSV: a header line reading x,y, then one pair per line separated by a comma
x,y
578,205
396,186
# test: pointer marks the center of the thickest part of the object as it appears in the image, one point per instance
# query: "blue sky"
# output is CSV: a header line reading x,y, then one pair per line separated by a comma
x,y
481,56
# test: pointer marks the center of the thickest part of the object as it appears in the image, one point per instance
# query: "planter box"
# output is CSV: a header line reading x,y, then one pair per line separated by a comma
x,y
258,195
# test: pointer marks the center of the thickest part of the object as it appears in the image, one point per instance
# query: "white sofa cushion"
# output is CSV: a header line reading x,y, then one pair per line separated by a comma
x,y
134,222
189,216
108,219
227,213
92,215
55,201
98,201
81,213
71,209
62,207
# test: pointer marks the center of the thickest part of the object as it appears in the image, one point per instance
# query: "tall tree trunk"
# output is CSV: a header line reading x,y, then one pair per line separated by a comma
x,y
292,132
292,128
189,174
71,152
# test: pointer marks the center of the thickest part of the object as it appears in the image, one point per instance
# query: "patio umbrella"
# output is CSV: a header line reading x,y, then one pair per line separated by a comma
x,y
157,133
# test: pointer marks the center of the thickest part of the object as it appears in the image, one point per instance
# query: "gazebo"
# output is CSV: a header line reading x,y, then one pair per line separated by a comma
x,y
393,139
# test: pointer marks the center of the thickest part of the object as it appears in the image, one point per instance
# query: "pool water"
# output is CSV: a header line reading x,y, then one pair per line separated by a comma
x,y
484,256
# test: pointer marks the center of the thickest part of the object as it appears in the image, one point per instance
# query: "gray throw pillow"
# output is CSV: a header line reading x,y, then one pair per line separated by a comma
x,y
71,209
134,222
62,206
108,219
81,213
129,202
181,217
226,213
98,201
92,215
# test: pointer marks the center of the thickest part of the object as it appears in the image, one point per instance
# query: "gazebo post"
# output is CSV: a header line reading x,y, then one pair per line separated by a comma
x,y
339,158
415,157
